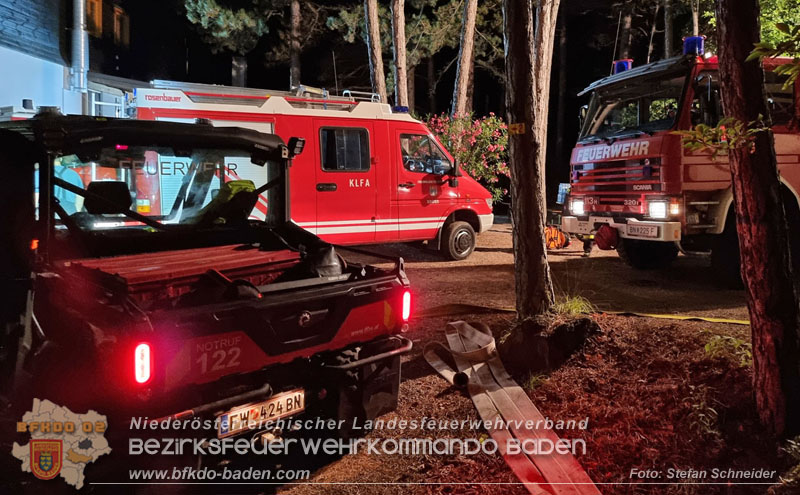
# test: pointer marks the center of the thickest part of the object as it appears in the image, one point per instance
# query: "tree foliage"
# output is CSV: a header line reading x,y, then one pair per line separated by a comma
x,y
238,25
729,134
226,28
431,26
786,43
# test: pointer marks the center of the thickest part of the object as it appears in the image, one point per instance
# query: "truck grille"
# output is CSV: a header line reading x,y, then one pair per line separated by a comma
x,y
618,182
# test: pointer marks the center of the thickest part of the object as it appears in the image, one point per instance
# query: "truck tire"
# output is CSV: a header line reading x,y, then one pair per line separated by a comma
x,y
725,260
646,255
793,219
458,241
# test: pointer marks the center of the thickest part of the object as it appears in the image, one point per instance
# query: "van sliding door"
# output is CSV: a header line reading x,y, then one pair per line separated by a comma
x,y
345,182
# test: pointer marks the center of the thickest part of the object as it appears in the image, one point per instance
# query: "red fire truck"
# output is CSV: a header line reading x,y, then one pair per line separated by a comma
x,y
630,173
371,175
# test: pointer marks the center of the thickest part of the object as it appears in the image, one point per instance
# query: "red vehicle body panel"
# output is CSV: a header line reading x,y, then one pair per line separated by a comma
x,y
367,206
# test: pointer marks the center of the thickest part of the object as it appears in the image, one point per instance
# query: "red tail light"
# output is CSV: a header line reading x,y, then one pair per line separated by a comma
x,y
142,361
406,305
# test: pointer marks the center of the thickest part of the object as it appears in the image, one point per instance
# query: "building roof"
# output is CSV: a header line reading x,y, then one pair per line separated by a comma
x,y
32,27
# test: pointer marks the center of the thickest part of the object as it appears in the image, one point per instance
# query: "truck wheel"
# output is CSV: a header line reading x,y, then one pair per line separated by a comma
x,y
725,255
646,255
793,219
458,241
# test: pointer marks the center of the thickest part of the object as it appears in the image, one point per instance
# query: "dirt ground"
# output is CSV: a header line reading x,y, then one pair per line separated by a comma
x,y
487,278
656,398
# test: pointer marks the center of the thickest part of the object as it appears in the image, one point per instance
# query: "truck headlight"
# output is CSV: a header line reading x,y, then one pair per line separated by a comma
x,y
657,209
489,203
576,206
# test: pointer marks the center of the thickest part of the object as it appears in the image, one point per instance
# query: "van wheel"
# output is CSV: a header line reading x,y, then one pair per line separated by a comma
x,y
646,255
458,241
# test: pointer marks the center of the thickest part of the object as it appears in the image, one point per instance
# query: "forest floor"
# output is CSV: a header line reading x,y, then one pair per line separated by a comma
x,y
658,394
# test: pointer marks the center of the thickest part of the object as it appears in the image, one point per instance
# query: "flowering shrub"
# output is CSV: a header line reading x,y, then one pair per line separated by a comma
x,y
480,145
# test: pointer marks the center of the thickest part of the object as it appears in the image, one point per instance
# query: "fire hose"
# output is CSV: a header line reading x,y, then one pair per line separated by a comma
x,y
463,309
497,396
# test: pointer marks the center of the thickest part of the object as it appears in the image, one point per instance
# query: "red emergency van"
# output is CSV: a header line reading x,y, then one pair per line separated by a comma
x,y
368,174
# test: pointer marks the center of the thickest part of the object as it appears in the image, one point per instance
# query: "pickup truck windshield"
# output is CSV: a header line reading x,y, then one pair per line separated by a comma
x,y
635,107
172,188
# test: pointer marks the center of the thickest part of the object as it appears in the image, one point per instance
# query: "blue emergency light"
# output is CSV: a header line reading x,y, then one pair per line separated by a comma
x,y
694,45
621,65
400,109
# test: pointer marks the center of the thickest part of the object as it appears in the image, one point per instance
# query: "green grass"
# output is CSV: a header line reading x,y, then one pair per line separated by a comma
x,y
737,350
573,306
703,418
533,380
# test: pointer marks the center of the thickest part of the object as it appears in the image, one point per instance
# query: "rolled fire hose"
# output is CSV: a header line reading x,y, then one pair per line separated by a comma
x,y
496,395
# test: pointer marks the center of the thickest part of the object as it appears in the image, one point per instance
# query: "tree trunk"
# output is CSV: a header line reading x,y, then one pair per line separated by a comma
x,y
653,30
771,288
469,104
411,87
459,106
528,40
238,71
562,92
294,45
374,49
695,17
626,33
668,28
431,86
399,44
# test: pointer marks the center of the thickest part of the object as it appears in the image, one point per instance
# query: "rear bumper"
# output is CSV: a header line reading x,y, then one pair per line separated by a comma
x,y
486,222
630,228
395,345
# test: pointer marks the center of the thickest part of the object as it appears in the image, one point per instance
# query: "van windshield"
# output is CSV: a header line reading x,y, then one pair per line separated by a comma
x,y
135,187
635,107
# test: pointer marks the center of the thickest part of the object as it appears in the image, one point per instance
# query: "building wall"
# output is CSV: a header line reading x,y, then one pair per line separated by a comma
x,y
25,76
32,61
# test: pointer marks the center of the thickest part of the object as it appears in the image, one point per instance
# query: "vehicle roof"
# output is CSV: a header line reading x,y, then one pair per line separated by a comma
x,y
60,131
660,66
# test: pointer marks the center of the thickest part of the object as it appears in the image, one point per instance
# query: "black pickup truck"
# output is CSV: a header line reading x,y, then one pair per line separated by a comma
x,y
136,293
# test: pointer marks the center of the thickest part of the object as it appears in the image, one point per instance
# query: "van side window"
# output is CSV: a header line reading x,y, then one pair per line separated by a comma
x,y
421,154
344,149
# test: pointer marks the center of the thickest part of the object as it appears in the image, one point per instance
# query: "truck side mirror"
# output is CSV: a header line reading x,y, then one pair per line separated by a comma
x,y
582,113
296,146
452,182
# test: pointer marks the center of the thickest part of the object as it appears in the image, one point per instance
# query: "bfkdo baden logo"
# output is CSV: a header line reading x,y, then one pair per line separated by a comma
x,y
61,443
46,458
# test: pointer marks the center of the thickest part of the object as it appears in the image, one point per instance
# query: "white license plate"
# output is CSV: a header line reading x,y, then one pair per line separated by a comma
x,y
649,231
255,415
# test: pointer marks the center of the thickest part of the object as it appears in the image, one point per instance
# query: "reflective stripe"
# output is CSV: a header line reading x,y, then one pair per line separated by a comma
x,y
368,221
374,228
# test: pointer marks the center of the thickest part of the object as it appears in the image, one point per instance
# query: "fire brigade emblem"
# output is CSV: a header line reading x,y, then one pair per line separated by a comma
x,y
46,458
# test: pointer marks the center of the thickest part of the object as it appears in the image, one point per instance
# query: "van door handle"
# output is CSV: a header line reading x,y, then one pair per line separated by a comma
x,y
407,185
326,186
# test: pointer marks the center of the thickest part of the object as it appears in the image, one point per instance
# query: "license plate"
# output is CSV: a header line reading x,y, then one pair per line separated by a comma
x,y
649,231
255,415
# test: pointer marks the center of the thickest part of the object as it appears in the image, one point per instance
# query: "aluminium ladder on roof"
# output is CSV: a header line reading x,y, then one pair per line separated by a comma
x,y
302,96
